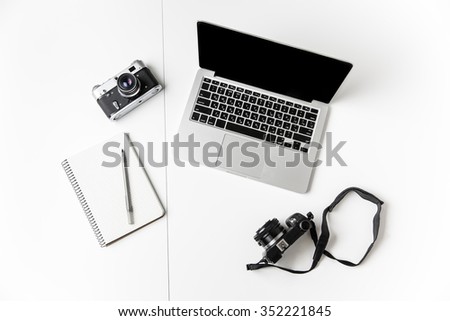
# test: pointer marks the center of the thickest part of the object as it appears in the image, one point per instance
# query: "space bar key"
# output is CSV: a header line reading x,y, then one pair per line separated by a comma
x,y
246,131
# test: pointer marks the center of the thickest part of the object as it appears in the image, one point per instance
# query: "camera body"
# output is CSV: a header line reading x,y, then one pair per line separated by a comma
x,y
127,90
275,239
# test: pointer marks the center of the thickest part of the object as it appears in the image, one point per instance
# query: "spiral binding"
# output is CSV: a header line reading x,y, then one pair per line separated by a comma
x,y
66,166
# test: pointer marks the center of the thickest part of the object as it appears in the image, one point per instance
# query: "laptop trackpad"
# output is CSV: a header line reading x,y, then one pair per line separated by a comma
x,y
241,156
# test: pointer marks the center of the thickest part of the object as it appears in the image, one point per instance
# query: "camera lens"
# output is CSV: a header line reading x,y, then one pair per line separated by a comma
x,y
128,85
269,233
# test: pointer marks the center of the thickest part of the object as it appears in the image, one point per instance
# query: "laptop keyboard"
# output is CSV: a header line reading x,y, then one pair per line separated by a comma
x,y
254,114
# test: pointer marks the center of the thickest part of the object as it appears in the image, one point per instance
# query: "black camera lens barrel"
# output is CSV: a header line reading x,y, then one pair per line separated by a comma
x,y
269,233
128,85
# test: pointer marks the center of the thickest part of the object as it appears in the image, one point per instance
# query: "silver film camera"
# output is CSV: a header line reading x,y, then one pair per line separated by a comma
x,y
127,90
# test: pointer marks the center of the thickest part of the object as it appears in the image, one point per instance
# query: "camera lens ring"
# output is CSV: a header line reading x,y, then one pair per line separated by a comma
x,y
128,85
269,233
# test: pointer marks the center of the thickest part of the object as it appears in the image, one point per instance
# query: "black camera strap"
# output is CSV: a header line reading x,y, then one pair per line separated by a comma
x,y
322,241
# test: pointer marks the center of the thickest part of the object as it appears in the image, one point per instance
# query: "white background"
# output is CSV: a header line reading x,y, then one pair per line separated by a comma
x,y
392,111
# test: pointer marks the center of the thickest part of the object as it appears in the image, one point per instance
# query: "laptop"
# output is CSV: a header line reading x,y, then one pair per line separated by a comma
x,y
258,108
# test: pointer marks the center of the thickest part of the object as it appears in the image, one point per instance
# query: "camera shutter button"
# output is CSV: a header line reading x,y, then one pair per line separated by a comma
x,y
116,105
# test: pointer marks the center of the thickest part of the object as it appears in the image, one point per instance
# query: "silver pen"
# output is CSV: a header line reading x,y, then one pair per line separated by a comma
x,y
127,189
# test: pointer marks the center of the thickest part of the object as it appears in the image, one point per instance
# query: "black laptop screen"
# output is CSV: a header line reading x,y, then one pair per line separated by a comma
x,y
269,65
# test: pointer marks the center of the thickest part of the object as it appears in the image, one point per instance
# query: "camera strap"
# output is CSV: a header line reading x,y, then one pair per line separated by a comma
x,y
322,241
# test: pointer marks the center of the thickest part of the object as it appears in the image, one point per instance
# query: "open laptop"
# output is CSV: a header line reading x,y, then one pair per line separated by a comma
x,y
260,105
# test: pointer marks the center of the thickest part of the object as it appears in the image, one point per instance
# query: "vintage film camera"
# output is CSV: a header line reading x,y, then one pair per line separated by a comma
x,y
127,90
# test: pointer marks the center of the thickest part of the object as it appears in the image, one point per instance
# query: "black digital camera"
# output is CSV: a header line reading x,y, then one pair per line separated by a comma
x,y
275,239
127,90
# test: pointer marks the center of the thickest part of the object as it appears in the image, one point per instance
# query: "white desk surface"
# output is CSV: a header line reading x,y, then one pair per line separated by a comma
x,y
392,111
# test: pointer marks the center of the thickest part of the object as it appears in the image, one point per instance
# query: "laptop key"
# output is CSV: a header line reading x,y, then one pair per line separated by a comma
x,y
284,109
224,116
238,111
288,145
216,113
276,106
306,108
244,97
221,90
246,106
278,115
203,101
252,100
240,89
223,99
230,109
215,82
286,117
240,120
248,123
278,123
292,111
220,123
222,107
254,108
207,80
195,116
222,84
238,103
303,149
203,109
205,86
264,127
248,92
311,124
270,121
229,93
271,138
254,116
302,138
294,128
303,122
280,140
246,114
203,118
262,118
245,130
295,120
296,145
280,132
286,125
311,116
230,101
211,120
272,129
314,111
256,125
270,113
237,95
214,104
205,94
215,97
305,131
232,87
232,118
288,134
300,113
260,102
213,88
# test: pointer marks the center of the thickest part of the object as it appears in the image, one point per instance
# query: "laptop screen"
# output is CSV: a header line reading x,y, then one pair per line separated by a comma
x,y
269,65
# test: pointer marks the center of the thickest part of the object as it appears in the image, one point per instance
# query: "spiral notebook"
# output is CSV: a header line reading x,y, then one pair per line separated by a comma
x,y
101,190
